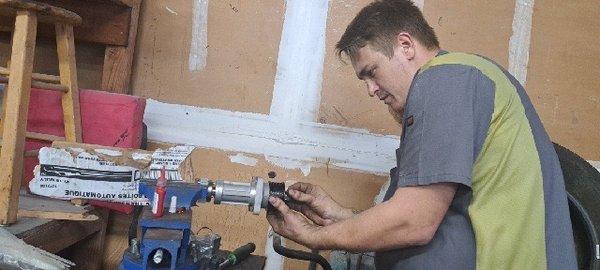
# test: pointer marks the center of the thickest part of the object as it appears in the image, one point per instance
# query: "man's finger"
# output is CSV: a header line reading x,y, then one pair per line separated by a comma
x,y
279,205
301,186
301,196
315,218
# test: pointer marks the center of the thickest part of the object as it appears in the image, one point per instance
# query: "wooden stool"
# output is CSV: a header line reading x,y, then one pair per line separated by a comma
x,y
20,79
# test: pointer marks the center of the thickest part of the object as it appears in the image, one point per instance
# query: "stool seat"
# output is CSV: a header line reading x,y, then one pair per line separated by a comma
x,y
46,13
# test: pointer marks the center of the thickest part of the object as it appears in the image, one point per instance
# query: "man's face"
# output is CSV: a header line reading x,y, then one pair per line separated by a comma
x,y
387,79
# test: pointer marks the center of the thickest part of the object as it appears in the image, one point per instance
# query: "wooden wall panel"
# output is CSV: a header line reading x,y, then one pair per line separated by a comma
x,y
344,98
243,41
482,27
562,79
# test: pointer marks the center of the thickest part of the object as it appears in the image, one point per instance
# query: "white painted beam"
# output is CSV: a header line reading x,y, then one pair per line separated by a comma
x,y
198,48
297,90
306,143
519,44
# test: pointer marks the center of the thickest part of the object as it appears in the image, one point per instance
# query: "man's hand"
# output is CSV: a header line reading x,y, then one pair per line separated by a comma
x,y
316,204
291,224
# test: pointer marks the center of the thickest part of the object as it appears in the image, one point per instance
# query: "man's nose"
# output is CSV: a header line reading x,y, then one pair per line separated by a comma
x,y
372,87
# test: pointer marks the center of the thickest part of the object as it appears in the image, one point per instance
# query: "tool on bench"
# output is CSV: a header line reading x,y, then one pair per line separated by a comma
x,y
167,241
238,255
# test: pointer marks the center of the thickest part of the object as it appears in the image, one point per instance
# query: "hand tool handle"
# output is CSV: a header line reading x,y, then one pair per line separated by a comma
x,y
238,255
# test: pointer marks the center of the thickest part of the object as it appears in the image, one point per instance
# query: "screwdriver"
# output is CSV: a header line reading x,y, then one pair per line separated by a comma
x,y
238,255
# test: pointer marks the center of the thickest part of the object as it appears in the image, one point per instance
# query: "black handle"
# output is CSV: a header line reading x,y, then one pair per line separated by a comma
x,y
238,255
242,252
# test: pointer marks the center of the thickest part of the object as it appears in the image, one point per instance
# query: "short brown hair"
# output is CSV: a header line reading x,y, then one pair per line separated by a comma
x,y
380,22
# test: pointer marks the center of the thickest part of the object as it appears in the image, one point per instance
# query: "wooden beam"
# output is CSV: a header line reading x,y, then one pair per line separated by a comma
x,y
41,85
44,137
89,254
65,46
118,60
42,207
36,76
15,121
56,235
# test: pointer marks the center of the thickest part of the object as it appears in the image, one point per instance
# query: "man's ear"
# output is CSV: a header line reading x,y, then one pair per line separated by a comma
x,y
405,45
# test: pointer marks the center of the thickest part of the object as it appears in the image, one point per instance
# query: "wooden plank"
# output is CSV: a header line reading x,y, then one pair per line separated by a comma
x,y
89,254
118,60
42,85
79,201
36,76
57,235
15,121
65,44
25,224
44,137
41,207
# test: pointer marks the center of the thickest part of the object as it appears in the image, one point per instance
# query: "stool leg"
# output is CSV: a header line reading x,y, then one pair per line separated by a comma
x,y
12,34
65,45
3,107
15,114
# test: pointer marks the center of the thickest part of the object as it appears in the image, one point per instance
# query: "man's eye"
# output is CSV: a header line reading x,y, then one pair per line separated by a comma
x,y
372,73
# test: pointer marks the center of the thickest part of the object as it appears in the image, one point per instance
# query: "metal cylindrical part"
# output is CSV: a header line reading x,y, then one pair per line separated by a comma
x,y
234,192
254,194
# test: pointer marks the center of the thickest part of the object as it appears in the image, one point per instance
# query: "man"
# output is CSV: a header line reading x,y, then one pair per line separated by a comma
x,y
478,183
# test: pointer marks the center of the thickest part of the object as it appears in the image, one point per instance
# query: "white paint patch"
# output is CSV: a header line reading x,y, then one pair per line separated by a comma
x,y
313,143
199,46
297,90
518,49
289,163
242,159
274,260
171,10
108,152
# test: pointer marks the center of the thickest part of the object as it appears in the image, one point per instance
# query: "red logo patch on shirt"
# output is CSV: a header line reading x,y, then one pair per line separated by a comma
x,y
409,121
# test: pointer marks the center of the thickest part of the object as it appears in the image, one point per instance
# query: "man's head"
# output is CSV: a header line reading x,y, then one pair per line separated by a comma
x,y
387,42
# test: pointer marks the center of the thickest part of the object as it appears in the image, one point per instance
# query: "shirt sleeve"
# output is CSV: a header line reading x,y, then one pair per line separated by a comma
x,y
444,125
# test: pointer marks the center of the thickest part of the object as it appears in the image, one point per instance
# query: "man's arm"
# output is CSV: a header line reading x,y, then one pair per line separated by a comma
x,y
410,218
